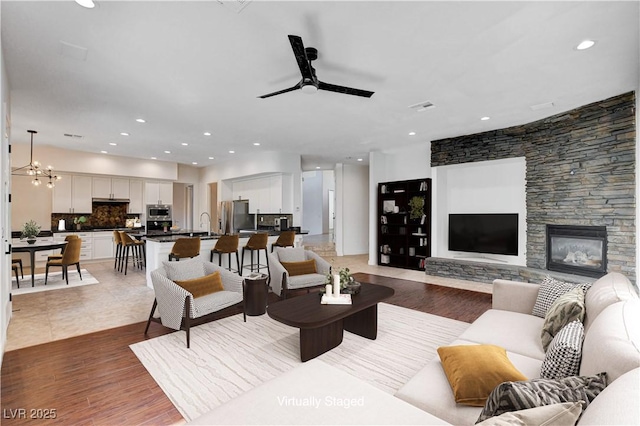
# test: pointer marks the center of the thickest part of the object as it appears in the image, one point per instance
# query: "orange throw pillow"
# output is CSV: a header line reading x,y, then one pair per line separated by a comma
x,y
202,286
300,268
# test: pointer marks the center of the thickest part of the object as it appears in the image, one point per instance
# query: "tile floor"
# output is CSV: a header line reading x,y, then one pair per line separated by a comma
x,y
125,299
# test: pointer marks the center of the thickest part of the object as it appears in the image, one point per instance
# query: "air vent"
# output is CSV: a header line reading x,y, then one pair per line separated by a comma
x,y
422,106
69,135
542,106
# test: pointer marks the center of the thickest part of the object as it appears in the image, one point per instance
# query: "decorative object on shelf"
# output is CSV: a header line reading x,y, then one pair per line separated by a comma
x,y
78,221
30,231
416,206
35,169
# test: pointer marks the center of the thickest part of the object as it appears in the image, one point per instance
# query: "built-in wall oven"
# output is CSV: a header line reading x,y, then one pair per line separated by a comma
x,y
158,212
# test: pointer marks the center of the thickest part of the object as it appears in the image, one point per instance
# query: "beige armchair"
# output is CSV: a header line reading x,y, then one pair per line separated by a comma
x,y
179,309
283,280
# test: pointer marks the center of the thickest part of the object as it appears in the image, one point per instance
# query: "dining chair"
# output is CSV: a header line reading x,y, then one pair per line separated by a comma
x,y
59,255
14,267
185,247
17,262
70,257
227,244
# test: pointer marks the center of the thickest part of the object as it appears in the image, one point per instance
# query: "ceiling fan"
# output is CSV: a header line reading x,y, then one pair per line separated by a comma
x,y
309,82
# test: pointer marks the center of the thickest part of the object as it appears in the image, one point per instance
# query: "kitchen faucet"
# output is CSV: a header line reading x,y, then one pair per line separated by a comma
x,y
209,222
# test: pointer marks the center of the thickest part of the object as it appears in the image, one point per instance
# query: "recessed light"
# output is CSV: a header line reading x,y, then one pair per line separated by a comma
x,y
167,152
184,144
210,158
485,118
256,143
89,4
154,158
232,152
194,163
103,152
586,44
141,120
124,134
317,167
207,134
113,144
412,133
359,159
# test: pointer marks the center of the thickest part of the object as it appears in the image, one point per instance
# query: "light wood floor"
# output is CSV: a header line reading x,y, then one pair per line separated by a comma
x,y
95,379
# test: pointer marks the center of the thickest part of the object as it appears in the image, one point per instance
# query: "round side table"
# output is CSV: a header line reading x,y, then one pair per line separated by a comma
x,y
255,292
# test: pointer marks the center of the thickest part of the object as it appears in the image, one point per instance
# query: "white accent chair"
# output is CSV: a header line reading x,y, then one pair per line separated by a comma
x,y
281,282
173,301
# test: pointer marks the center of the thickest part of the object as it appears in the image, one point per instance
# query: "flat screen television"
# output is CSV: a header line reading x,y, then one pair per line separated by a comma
x,y
495,233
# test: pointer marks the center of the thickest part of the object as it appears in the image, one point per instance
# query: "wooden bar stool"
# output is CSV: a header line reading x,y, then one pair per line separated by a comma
x,y
137,251
256,242
286,239
118,254
227,244
185,247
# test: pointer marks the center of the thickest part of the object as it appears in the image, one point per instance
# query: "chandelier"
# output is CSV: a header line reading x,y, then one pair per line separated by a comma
x,y
36,170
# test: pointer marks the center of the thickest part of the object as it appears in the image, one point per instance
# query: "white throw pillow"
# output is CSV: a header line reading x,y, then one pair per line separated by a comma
x,y
563,414
291,254
184,269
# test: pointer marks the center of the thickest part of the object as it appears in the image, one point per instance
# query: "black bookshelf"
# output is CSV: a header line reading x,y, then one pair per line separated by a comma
x,y
404,237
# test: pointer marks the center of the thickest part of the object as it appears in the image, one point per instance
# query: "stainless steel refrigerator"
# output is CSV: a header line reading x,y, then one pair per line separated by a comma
x,y
234,216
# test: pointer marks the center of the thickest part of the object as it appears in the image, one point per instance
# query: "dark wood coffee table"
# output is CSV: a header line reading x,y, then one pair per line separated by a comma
x,y
321,326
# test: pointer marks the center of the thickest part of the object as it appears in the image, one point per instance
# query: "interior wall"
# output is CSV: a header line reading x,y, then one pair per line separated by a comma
x,y
328,185
5,208
29,202
352,209
312,199
488,187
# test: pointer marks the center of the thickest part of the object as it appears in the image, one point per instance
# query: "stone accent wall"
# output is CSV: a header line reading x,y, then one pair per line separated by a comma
x,y
580,171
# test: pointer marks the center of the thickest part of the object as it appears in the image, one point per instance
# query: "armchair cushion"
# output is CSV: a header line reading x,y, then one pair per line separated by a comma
x,y
291,254
184,270
300,268
202,286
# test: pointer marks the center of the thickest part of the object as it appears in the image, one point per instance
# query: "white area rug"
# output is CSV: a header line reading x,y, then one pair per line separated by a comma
x,y
229,357
54,282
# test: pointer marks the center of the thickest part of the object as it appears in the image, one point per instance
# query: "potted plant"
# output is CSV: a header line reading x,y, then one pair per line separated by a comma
x,y
30,231
165,226
416,206
79,221
347,283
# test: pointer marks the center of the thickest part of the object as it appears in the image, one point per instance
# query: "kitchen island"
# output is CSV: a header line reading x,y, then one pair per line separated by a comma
x,y
158,248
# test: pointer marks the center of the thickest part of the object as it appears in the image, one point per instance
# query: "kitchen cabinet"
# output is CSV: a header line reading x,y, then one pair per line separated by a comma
x,y
265,194
72,194
104,187
158,193
103,245
136,200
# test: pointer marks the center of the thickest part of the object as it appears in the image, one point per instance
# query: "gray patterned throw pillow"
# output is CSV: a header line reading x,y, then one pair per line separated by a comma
x,y
565,352
550,290
567,308
514,396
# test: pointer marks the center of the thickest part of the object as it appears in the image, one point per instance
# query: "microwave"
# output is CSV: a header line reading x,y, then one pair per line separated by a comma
x,y
158,212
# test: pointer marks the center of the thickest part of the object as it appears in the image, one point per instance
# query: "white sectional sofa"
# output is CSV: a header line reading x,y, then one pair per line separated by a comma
x,y
611,345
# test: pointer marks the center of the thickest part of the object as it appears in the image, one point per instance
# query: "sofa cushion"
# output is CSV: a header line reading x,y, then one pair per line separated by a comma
x,y
612,288
516,332
550,290
429,389
184,269
474,370
202,286
300,268
617,404
291,254
564,353
563,414
514,396
567,308
612,343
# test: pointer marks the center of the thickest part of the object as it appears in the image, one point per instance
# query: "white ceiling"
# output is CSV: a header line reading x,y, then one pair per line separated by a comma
x,y
193,67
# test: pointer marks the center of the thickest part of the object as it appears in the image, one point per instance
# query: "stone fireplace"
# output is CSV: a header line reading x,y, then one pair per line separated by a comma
x,y
580,250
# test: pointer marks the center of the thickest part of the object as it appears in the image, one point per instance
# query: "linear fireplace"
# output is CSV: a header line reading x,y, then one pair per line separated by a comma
x,y
580,250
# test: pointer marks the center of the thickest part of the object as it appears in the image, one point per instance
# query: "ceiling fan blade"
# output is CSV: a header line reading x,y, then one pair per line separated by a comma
x,y
345,90
301,56
279,92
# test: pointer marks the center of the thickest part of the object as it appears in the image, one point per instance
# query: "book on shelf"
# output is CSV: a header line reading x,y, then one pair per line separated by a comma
x,y
423,186
398,191
423,219
384,258
418,234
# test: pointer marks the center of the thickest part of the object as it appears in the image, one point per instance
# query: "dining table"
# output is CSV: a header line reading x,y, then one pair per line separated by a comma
x,y
24,247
